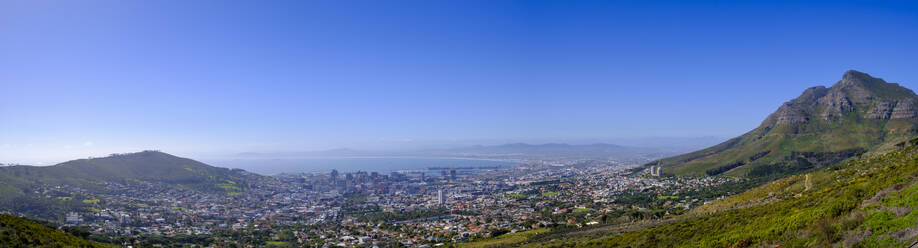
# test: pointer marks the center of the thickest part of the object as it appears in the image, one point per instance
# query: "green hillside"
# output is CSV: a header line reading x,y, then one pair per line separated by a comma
x,y
867,202
822,126
19,232
18,184
150,166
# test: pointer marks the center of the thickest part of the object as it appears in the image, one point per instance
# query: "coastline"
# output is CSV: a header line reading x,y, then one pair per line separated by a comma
x,y
346,164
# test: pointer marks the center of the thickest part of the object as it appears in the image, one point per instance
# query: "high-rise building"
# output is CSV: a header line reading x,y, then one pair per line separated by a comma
x,y
656,170
334,175
362,176
452,174
395,176
440,199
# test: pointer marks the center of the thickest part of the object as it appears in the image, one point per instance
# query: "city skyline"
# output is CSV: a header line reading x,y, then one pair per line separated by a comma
x,y
459,124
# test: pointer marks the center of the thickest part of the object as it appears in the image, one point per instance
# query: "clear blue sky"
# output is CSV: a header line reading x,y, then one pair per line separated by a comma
x,y
197,78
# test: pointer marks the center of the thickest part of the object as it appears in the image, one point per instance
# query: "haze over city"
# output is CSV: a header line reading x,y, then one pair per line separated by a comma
x,y
209,78
458,123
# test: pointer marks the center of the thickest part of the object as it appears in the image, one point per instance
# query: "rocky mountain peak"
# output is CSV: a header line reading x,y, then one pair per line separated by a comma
x,y
857,92
822,126
853,77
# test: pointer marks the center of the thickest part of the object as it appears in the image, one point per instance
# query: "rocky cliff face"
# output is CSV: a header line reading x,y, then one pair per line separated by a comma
x,y
822,126
857,93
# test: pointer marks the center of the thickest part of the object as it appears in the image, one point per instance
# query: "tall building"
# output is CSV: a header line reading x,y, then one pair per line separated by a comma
x,y
362,176
656,170
395,176
440,199
452,174
334,175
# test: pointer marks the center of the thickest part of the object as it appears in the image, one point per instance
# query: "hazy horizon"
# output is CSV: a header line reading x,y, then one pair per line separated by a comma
x,y
205,78
676,144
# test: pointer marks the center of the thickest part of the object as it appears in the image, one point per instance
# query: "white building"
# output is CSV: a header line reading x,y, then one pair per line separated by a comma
x,y
440,199
74,218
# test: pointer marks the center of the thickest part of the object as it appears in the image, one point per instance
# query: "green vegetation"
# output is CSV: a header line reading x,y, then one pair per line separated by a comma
x,y
19,232
149,166
667,197
581,210
869,202
275,243
808,133
18,183
183,240
228,187
516,196
505,239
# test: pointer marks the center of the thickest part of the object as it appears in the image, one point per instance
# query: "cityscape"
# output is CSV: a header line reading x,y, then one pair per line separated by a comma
x,y
425,208
458,124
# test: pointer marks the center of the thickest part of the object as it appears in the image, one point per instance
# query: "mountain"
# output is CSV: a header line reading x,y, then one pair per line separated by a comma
x,y
867,202
505,151
147,166
19,232
598,150
821,127
26,189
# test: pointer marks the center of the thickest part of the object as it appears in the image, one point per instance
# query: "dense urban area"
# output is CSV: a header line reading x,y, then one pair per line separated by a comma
x,y
422,208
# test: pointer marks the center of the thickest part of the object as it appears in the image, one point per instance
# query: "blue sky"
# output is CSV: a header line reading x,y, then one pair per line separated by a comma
x,y
203,78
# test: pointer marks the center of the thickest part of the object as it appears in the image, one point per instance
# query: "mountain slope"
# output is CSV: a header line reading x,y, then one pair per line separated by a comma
x,y
821,127
35,190
19,232
866,202
150,166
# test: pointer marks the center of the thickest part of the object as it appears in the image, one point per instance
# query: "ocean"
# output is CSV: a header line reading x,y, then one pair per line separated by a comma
x,y
349,164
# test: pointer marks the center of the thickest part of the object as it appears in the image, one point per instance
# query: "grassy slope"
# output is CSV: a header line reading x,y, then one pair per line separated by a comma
x,y
19,232
867,202
506,239
850,132
143,166
17,183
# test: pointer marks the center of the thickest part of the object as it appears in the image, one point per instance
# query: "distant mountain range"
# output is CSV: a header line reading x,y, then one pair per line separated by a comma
x,y
599,150
505,151
821,127
859,202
